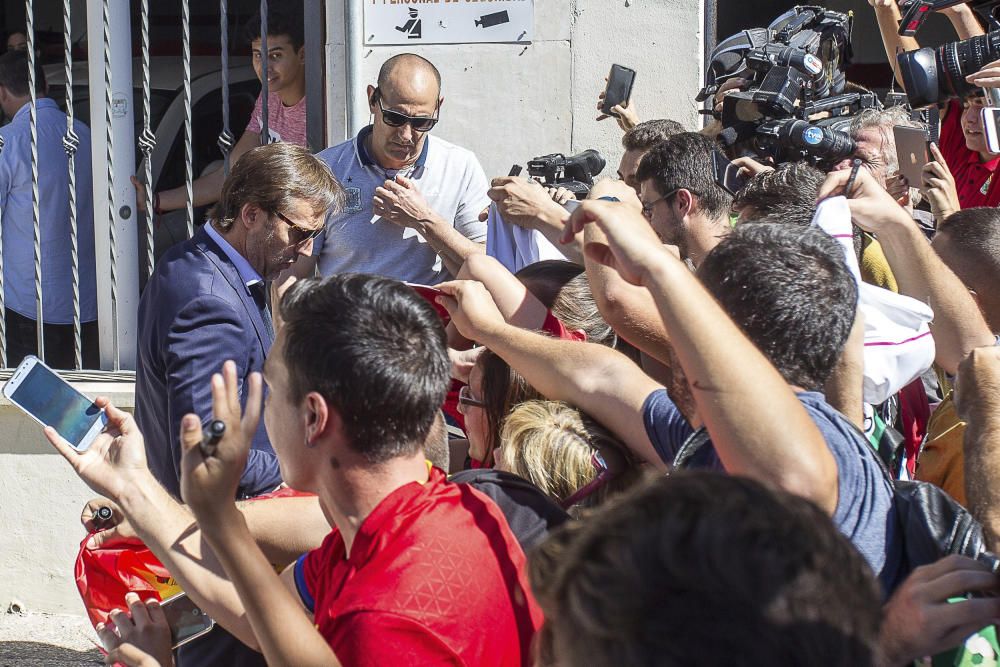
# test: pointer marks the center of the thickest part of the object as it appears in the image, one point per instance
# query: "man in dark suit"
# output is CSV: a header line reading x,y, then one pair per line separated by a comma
x,y
205,303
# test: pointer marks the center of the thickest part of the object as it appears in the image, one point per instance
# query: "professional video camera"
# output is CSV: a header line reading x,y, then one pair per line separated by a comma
x,y
932,75
575,173
795,69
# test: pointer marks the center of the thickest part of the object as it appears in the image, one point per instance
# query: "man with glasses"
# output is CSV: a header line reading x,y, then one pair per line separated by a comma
x,y
680,197
206,301
412,199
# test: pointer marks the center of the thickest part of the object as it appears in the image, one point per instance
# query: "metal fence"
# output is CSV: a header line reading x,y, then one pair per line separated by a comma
x,y
117,224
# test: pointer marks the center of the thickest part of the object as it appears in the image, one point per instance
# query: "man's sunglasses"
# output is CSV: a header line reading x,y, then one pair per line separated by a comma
x,y
396,119
301,233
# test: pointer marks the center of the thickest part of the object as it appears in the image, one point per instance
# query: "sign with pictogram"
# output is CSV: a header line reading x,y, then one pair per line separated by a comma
x,y
448,21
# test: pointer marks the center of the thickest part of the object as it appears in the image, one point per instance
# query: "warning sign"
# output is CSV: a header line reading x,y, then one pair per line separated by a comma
x,y
448,21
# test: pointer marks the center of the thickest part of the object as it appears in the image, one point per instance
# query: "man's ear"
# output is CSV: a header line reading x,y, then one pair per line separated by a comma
x,y
319,418
440,104
251,216
685,201
373,96
302,54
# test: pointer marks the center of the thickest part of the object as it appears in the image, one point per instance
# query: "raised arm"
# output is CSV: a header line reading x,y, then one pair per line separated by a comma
x,y
958,325
748,408
887,14
978,399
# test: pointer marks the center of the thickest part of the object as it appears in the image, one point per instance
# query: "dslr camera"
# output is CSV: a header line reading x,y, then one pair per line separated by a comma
x,y
795,67
575,173
933,75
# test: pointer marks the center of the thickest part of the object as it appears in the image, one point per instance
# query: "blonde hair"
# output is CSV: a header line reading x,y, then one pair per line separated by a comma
x,y
552,445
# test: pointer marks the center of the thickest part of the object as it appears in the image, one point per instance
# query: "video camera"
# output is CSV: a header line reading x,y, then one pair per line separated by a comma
x,y
933,75
795,68
575,173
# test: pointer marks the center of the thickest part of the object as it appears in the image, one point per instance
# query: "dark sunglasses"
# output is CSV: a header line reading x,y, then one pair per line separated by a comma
x,y
604,475
302,234
396,119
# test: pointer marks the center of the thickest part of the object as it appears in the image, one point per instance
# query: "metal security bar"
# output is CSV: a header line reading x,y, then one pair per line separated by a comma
x,y
188,149
265,133
29,10
3,318
147,140
71,143
226,140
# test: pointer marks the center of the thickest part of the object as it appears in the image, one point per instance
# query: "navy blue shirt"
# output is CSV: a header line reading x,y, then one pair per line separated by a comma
x,y
865,512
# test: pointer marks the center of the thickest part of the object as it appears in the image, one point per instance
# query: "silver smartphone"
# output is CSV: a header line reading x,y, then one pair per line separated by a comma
x,y
51,401
186,620
913,153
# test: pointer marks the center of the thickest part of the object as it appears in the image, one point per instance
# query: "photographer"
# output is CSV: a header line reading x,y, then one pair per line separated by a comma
x,y
962,139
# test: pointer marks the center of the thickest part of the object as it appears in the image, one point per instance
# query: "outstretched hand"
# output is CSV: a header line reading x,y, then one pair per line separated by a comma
x,y
139,637
632,247
472,308
115,459
208,484
872,207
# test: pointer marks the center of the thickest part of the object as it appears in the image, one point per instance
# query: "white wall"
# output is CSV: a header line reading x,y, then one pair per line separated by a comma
x,y
510,102
40,502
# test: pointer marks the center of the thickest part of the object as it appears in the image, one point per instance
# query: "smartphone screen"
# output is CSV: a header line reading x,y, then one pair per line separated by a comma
x,y
991,119
52,401
727,174
185,619
619,88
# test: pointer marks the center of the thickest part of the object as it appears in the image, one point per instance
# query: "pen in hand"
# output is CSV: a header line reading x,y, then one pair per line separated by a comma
x,y
210,437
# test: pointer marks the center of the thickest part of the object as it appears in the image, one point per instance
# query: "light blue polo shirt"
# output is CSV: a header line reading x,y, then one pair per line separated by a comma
x,y
448,176
53,204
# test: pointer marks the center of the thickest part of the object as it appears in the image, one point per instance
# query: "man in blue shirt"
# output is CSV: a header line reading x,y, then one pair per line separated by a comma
x,y
54,217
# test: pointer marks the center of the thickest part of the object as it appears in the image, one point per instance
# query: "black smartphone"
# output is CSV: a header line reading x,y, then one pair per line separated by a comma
x,y
619,89
187,622
727,174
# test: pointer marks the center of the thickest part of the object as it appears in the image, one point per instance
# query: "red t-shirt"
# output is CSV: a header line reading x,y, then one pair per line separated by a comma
x,y
434,577
555,327
973,179
287,124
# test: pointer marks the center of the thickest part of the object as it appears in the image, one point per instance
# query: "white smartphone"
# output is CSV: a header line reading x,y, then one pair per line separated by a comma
x,y
51,401
186,620
991,117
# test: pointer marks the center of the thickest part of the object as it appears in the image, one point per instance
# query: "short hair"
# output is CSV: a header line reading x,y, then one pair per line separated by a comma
x,y
390,65
14,74
552,445
788,193
790,291
376,351
286,18
436,447
273,177
974,236
546,278
696,568
685,161
647,134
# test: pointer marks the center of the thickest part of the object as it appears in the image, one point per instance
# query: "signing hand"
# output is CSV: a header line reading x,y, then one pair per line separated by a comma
x,y
139,637
116,458
938,186
208,485
472,309
632,247
106,532
918,620
523,202
401,203
872,207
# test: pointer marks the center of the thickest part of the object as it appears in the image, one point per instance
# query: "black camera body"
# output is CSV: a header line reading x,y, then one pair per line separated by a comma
x,y
932,75
795,67
575,173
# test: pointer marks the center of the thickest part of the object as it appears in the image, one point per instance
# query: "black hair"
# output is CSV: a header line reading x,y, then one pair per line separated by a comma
x,y
788,192
697,568
376,351
790,291
285,18
974,235
685,161
647,134
14,74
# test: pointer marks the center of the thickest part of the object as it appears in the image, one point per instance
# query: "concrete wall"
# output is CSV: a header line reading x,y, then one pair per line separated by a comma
x,y
510,102
40,502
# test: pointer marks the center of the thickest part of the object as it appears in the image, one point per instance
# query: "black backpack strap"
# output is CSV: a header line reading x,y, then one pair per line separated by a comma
x,y
694,442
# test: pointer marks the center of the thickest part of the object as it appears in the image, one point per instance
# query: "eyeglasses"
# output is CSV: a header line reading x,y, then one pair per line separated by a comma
x,y
647,209
465,399
301,233
604,475
396,119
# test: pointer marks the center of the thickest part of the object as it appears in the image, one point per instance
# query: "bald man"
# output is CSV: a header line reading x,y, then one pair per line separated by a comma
x,y
413,199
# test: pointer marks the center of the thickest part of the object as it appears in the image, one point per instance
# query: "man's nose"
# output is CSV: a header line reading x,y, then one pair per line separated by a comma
x,y
405,132
305,249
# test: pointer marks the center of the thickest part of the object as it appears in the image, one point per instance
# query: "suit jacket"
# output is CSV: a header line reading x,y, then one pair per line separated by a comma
x,y
195,313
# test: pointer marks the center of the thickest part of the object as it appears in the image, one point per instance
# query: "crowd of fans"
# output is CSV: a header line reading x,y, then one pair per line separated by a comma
x,y
718,428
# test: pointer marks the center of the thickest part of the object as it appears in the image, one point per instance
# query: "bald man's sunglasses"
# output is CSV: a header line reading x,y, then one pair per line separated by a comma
x,y
396,119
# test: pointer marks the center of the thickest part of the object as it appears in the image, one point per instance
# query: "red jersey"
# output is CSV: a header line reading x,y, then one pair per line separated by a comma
x,y
974,180
434,577
555,327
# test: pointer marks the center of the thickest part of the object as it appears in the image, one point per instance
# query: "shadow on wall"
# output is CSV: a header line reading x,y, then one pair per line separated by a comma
x,y
32,653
